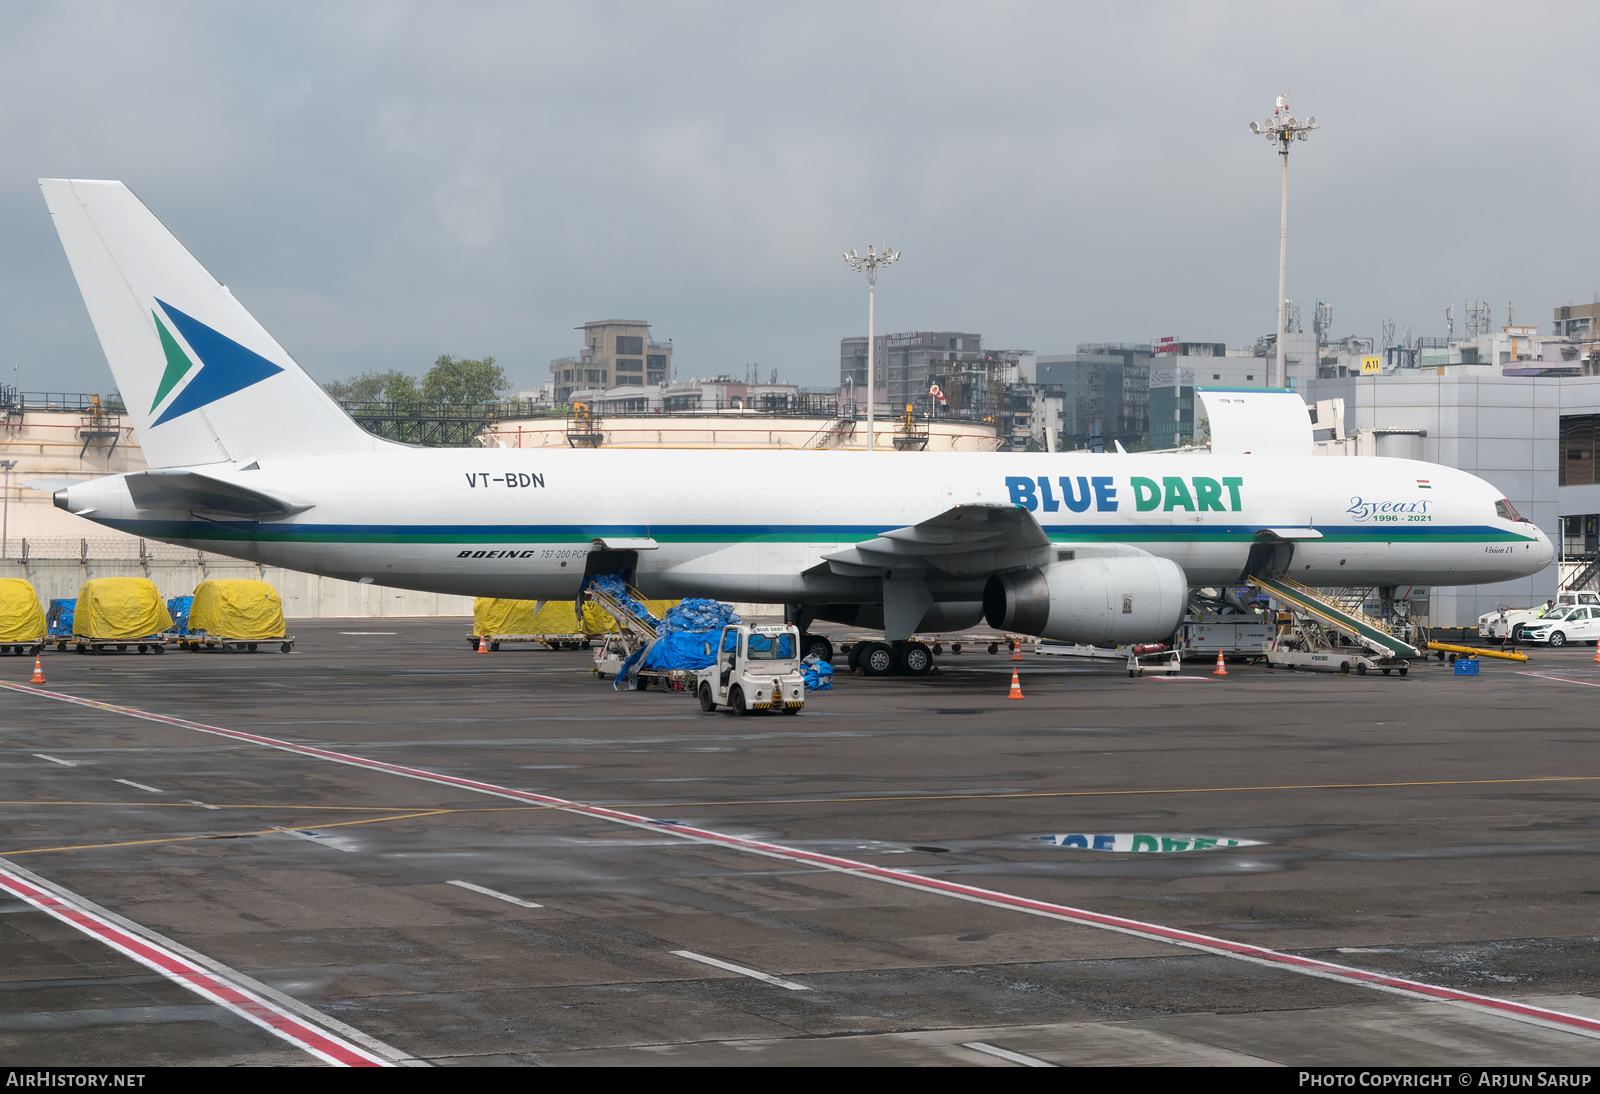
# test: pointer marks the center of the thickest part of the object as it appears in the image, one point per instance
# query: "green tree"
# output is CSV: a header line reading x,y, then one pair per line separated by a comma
x,y
393,386
463,381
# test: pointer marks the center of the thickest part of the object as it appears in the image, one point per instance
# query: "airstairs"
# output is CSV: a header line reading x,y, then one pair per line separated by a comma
x,y
1363,629
640,625
636,628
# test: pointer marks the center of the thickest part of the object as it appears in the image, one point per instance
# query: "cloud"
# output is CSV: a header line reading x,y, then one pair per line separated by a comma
x,y
382,183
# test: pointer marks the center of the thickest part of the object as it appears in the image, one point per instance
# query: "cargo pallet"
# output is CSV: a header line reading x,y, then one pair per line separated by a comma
x,y
154,643
194,643
551,641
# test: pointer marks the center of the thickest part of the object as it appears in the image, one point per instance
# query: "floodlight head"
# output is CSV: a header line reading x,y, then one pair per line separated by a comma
x,y
1254,128
1311,121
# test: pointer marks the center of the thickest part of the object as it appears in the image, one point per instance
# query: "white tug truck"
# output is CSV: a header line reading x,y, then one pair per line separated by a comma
x,y
1507,623
757,668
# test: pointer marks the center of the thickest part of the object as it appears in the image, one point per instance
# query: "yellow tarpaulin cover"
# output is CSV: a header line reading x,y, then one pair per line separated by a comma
x,y
237,608
21,618
119,608
493,615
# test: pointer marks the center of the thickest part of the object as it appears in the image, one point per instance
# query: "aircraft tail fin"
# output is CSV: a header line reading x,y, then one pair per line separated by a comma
x,y
202,380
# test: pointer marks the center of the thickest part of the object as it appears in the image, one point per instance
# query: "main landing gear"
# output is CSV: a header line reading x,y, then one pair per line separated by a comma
x,y
891,658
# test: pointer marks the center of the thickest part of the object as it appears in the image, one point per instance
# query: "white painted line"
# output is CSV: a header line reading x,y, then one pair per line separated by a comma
x,y
866,871
138,786
1563,679
202,805
740,969
206,978
1007,1054
507,897
52,759
389,633
321,841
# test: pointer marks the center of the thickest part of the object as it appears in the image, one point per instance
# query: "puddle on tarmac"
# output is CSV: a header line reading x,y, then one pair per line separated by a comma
x,y
1143,842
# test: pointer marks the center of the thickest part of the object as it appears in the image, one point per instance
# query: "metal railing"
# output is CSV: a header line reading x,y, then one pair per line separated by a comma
x,y
12,399
99,549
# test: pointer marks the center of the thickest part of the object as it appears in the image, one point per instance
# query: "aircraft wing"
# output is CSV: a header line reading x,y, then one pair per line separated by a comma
x,y
967,540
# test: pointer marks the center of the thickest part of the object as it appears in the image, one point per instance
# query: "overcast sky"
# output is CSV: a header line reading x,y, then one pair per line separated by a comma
x,y
383,183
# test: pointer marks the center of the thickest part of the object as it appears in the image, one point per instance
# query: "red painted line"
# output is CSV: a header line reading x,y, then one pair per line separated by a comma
x,y
1190,939
201,981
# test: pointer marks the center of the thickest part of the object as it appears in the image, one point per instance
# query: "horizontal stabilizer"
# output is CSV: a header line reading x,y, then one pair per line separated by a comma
x,y
208,497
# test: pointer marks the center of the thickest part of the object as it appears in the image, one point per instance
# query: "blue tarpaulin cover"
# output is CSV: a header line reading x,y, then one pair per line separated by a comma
x,y
818,674
697,616
59,618
613,585
178,607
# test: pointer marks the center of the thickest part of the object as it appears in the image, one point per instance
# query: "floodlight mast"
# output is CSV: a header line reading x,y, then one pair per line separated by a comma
x,y
870,264
1282,128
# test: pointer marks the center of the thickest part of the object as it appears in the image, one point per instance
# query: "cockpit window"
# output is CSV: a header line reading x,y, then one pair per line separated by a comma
x,y
1506,511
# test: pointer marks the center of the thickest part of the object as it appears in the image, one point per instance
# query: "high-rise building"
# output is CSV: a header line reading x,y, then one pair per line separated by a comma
x,y
616,352
905,364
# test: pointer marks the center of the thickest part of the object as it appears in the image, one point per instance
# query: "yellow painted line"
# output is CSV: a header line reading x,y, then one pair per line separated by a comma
x,y
222,835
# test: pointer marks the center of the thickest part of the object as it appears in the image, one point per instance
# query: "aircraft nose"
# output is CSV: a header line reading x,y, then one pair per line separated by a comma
x,y
1545,550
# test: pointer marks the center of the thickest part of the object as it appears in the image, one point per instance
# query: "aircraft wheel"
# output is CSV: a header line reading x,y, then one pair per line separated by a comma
x,y
707,703
914,659
877,659
853,654
815,645
1361,670
736,701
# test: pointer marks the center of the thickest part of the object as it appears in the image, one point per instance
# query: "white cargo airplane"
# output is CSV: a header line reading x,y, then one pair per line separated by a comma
x,y
250,458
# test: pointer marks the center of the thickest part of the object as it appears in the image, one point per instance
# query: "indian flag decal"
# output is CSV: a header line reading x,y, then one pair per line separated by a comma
x,y
1423,484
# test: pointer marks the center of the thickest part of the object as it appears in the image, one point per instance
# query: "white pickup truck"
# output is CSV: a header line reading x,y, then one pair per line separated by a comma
x,y
1507,623
757,668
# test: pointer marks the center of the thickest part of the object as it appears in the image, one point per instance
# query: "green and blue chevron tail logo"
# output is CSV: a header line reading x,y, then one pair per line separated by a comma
x,y
225,367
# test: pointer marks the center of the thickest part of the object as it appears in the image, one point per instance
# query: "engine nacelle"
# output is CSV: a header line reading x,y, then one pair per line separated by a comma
x,y
1100,601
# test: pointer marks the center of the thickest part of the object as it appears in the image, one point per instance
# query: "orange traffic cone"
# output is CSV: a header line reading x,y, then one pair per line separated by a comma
x,y
1016,686
1016,649
1597,653
38,670
1220,670
483,643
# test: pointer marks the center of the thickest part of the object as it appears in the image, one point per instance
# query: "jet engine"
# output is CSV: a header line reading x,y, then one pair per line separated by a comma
x,y
1101,601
